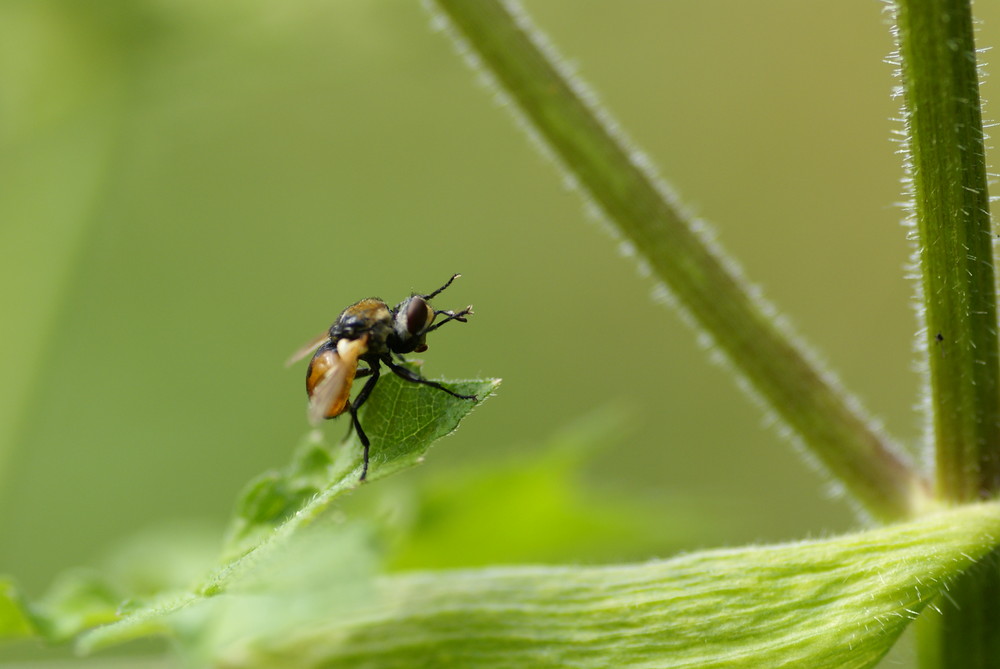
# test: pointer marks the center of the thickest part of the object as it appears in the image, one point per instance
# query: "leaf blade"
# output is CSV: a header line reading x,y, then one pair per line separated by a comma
x,y
405,420
15,619
825,604
402,420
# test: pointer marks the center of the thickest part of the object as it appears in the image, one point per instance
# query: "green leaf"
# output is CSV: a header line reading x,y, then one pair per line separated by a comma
x,y
325,572
537,507
79,599
835,603
15,621
402,420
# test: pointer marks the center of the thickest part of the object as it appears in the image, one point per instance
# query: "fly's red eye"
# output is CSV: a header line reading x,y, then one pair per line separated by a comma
x,y
418,315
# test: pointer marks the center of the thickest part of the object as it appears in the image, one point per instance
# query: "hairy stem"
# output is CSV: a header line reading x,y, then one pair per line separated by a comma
x,y
951,208
828,422
947,169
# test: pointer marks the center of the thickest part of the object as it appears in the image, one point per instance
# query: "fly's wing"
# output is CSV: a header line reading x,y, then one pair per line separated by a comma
x,y
331,376
306,349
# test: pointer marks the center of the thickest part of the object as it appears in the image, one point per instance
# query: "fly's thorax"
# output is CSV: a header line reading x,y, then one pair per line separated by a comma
x,y
370,317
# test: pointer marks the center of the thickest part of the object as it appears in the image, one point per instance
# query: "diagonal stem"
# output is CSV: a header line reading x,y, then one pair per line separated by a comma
x,y
780,371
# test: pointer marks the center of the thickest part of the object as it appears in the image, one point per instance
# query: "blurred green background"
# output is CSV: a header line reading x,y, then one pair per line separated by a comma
x,y
189,191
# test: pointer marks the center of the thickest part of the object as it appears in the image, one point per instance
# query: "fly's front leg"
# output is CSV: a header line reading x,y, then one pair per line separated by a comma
x,y
459,316
407,375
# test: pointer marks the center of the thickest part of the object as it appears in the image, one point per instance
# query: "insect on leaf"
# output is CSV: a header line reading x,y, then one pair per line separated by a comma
x,y
402,419
405,419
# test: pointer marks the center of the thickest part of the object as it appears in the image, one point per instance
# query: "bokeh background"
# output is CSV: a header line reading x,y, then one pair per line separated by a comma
x,y
190,190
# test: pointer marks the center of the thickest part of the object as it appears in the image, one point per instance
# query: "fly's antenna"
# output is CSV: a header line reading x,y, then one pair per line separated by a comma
x,y
439,290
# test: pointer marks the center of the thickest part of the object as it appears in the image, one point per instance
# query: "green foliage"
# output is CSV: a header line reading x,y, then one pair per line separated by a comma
x,y
15,622
307,594
833,603
299,586
411,418
402,420
538,508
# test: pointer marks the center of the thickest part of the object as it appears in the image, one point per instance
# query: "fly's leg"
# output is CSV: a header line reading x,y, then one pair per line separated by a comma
x,y
373,375
407,375
361,373
459,316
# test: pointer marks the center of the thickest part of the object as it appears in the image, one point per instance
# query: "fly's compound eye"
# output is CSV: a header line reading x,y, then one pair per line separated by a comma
x,y
418,316
412,318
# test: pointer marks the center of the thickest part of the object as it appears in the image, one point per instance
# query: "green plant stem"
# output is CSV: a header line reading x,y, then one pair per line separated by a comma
x,y
962,632
951,208
831,426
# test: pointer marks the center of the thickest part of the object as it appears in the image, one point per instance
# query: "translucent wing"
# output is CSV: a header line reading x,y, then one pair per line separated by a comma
x,y
331,377
306,349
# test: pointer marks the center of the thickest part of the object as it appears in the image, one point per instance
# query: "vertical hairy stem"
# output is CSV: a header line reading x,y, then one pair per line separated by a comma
x,y
955,253
951,209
